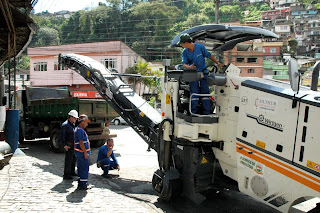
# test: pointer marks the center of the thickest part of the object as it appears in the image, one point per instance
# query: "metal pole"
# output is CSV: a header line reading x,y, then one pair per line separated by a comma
x,y
315,76
217,2
14,83
1,86
9,67
15,70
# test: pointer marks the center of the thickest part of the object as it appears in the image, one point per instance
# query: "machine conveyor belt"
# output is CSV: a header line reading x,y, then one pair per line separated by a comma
x,y
141,116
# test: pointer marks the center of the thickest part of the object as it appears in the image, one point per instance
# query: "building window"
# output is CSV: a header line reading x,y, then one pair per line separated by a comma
x,y
109,63
21,77
251,70
58,66
240,59
283,27
40,66
252,60
273,50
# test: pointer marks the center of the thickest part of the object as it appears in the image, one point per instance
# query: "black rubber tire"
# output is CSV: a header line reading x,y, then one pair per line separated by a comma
x,y
21,138
55,144
116,122
2,164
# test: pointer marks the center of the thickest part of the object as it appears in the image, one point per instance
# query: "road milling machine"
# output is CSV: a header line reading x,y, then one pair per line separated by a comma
x,y
262,132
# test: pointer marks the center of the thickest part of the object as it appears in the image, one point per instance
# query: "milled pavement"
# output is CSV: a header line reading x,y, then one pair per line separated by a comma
x,y
32,181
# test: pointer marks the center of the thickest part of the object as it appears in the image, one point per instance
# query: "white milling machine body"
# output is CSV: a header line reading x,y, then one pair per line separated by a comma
x,y
262,133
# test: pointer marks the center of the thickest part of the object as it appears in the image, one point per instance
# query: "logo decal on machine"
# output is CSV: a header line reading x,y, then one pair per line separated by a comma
x,y
251,164
265,104
266,122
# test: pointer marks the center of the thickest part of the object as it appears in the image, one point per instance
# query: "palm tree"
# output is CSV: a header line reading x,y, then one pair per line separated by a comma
x,y
141,68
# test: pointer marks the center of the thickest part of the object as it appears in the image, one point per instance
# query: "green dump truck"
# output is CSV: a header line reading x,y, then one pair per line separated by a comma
x,y
43,110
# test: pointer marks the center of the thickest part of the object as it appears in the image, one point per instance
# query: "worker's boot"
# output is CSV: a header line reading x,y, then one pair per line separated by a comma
x,y
98,164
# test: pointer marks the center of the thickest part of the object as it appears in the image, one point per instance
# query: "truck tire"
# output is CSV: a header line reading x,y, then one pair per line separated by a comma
x,y
21,138
55,141
97,143
117,122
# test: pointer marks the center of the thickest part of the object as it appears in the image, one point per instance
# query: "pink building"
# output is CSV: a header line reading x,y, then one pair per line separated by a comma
x,y
45,70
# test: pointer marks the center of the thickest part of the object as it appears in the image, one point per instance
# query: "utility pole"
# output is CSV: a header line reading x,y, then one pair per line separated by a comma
x,y
217,2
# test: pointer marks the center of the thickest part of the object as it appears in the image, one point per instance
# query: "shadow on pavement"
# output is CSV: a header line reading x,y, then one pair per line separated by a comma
x,y
53,163
123,185
63,186
76,196
223,197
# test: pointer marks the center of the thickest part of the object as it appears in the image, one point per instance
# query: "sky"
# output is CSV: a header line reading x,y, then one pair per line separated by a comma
x,y
58,5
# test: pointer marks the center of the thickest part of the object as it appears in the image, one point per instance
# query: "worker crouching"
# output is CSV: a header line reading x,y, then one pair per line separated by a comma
x,y
106,159
82,152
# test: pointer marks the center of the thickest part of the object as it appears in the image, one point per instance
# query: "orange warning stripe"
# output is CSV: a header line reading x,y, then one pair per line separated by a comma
x,y
282,164
274,166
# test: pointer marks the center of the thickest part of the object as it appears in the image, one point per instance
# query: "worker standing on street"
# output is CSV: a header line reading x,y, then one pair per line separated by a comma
x,y
67,140
193,58
82,152
106,158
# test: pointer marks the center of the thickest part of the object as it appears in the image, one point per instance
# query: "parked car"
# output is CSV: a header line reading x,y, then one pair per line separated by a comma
x,y
118,121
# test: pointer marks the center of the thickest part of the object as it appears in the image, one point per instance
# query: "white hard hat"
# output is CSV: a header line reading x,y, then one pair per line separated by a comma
x,y
73,113
84,117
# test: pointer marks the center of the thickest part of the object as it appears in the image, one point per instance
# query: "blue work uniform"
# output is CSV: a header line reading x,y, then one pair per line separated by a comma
x,y
107,163
197,57
67,138
82,163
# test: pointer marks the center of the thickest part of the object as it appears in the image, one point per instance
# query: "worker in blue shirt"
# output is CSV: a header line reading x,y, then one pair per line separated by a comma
x,y
82,152
106,158
67,140
193,58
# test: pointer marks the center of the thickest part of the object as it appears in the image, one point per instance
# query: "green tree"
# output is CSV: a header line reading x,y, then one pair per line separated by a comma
x,y
23,62
230,13
151,24
293,43
208,9
46,37
306,3
147,26
143,68
70,29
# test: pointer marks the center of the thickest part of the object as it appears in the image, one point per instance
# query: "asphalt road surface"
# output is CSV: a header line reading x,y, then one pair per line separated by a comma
x,y
224,197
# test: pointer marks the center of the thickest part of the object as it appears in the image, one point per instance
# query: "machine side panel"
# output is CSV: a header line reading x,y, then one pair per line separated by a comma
x,y
266,143
307,148
267,122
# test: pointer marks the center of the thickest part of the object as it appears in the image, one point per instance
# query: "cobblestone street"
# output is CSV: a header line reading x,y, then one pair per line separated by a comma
x,y
32,182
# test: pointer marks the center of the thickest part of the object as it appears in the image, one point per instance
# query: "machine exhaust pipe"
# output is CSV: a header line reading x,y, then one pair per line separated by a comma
x,y
315,77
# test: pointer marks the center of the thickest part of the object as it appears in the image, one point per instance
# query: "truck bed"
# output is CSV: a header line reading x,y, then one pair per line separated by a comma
x,y
51,103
